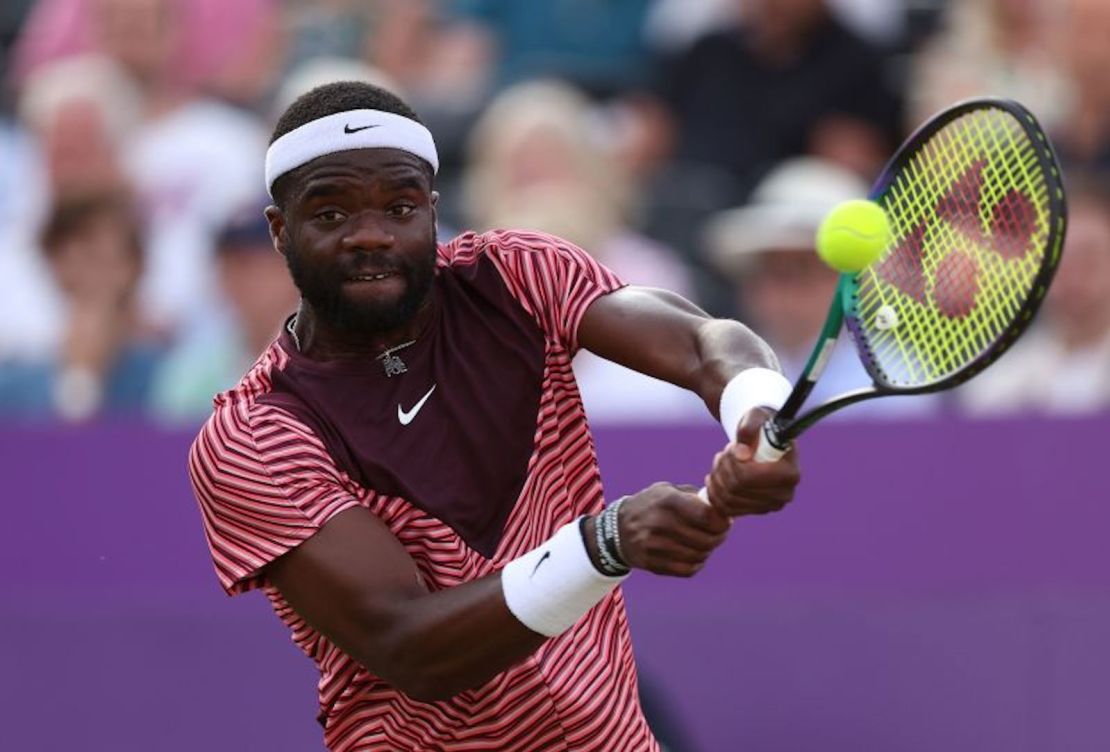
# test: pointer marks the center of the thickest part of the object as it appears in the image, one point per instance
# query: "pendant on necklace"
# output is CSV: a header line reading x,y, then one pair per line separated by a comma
x,y
392,364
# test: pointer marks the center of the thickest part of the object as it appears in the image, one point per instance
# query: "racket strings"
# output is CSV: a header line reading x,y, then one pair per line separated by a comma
x,y
970,213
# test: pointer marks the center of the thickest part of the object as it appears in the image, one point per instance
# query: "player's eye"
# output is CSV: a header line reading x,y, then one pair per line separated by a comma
x,y
402,210
329,215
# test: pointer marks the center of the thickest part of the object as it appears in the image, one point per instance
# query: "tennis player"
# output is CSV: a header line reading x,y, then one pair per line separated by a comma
x,y
407,472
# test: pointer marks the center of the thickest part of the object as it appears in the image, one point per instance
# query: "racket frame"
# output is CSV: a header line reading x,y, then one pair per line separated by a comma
x,y
788,424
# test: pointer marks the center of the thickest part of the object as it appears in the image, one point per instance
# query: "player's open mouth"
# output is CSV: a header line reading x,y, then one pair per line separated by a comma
x,y
371,277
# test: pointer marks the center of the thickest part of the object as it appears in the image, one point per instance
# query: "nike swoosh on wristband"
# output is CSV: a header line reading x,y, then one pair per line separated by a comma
x,y
406,416
545,557
348,129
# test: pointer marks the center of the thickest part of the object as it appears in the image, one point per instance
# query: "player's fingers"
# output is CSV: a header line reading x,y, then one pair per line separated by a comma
x,y
696,514
694,538
733,504
758,478
730,495
747,434
668,558
649,546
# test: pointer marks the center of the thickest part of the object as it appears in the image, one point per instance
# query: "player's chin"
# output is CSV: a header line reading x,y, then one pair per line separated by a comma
x,y
374,312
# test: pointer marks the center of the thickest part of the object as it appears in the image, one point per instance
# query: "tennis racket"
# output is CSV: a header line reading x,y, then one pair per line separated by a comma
x,y
978,214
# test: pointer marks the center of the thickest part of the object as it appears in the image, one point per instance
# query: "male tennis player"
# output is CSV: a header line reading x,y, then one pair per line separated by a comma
x,y
407,472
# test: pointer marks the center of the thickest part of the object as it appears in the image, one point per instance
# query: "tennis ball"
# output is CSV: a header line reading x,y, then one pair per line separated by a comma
x,y
853,235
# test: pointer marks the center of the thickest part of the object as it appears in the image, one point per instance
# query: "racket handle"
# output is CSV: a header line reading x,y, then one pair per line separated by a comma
x,y
765,450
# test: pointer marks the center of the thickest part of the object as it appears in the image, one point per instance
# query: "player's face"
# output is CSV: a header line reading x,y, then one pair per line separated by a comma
x,y
358,234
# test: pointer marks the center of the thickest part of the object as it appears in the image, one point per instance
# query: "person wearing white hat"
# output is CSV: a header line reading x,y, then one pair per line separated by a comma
x,y
767,248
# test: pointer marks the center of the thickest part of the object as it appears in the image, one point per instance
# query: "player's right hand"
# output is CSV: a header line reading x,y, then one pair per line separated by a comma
x,y
668,530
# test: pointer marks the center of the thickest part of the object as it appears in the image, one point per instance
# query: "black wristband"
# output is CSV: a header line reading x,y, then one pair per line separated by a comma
x,y
612,529
606,534
605,563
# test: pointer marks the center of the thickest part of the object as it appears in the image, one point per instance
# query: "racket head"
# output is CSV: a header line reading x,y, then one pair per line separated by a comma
x,y
977,207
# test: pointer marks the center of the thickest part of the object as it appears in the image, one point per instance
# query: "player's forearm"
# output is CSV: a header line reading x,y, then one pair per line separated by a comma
x,y
452,640
722,349
434,645
666,336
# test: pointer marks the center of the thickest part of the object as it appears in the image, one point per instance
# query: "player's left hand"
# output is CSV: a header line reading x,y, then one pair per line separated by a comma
x,y
739,485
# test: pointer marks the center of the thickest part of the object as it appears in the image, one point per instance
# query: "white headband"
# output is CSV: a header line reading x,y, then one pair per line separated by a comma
x,y
354,129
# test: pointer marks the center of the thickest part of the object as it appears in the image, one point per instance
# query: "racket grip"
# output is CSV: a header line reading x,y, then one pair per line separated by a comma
x,y
765,449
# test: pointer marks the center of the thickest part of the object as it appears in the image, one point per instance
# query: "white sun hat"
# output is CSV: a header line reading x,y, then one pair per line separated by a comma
x,y
785,211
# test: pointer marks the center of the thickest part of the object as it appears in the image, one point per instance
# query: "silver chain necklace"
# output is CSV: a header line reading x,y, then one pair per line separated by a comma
x,y
392,364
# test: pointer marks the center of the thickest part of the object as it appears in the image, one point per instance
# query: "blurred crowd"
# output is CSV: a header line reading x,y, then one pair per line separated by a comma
x,y
688,144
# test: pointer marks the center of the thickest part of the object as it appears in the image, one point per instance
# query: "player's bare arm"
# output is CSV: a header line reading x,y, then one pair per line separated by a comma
x,y
662,334
355,583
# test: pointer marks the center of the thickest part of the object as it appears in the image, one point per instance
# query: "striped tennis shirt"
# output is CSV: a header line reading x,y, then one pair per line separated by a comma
x,y
474,455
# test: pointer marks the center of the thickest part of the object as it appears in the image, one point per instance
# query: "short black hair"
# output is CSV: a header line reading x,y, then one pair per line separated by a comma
x,y
329,99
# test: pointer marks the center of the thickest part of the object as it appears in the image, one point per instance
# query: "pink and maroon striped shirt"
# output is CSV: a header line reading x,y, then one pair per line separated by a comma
x,y
498,458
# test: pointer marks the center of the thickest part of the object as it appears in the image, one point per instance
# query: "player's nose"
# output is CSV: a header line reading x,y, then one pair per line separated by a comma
x,y
367,233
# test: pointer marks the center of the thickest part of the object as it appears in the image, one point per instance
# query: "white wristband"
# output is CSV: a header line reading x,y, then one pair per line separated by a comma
x,y
751,388
552,586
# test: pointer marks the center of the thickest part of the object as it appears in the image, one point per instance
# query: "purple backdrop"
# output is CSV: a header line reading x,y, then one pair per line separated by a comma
x,y
935,586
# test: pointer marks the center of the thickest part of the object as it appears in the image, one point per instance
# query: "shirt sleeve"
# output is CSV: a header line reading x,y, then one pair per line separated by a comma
x,y
265,484
554,280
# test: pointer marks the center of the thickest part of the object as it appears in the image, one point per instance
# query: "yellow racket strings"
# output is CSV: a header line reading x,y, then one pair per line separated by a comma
x,y
970,214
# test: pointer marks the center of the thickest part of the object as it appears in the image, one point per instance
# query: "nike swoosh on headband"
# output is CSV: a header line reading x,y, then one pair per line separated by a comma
x,y
348,129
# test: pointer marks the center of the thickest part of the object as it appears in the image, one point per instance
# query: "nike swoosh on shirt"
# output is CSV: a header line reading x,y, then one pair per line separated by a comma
x,y
348,129
406,416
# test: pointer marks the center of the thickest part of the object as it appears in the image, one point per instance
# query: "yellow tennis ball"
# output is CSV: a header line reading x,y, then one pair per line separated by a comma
x,y
853,235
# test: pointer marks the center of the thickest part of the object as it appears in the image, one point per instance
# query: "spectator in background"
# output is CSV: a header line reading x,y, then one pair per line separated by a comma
x,y
789,79
442,61
176,47
673,25
767,248
1007,48
597,46
257,294
83,112
328,29
1062,365
79,114
104,363
1083,139
538,162
192,156
539,154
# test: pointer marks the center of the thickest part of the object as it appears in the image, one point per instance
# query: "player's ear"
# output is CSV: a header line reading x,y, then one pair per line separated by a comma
x,y
276,219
